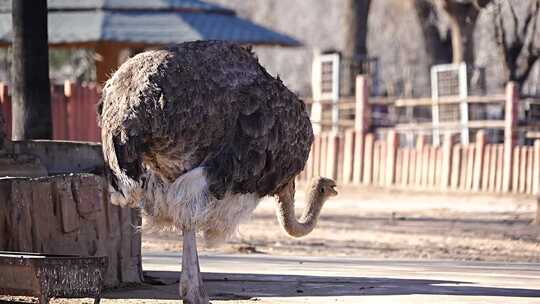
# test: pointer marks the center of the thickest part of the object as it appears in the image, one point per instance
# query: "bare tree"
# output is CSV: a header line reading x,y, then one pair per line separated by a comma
x,y
436,38
456,44
31,89
462,15
517,40
355,23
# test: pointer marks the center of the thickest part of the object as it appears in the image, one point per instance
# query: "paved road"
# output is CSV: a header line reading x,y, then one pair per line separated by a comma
x,y
269,279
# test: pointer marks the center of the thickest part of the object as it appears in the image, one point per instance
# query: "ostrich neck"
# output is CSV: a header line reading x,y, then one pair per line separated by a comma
x,y
307,222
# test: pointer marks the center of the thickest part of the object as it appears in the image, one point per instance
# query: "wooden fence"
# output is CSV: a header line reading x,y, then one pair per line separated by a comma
x,y
74,115
356,156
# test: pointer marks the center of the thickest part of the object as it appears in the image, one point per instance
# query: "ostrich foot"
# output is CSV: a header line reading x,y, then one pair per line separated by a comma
x,y
191,284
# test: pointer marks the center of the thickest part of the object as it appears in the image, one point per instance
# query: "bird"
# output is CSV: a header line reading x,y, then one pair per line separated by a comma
x,y
195,135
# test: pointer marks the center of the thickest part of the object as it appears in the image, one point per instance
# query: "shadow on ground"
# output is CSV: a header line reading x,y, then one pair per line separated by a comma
x,y
222,286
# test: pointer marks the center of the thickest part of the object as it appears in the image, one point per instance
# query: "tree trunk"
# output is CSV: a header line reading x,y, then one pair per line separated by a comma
x,y
31,88
515,38
463,18
355,23
438,47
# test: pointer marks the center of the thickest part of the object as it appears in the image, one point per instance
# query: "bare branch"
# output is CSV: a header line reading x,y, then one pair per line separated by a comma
x,y
515,19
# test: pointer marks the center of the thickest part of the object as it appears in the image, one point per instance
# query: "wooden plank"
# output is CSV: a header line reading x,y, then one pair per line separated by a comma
x,y
420,143
95,132
332,147
523,169
432,166
484,186
324,153
405,166
486,160
456,165
376,161
358,160
368,159
536,167
398,166
446,161
470,167
438,166
409,102
392,144
382,163
71,108
493,170
478,160
463,168
515,169
348,156
476,124
340,157
530,163
411,180
500,166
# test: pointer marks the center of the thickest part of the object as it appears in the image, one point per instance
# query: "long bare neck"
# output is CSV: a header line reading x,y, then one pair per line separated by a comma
x,y
307,222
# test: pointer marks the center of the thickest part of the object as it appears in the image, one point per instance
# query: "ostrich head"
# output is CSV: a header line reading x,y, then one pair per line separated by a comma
x,y
319,192
324,187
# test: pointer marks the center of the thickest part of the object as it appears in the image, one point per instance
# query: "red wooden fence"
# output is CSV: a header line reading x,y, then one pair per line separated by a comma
x,y
477,167
74,115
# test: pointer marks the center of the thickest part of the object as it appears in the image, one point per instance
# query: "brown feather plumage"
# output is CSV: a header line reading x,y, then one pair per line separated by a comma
x,y
206,104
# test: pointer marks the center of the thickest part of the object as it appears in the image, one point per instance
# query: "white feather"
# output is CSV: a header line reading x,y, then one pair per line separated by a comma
x,y
187,202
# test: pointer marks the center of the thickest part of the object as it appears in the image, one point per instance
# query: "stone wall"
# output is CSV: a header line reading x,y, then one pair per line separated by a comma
x,y
67,211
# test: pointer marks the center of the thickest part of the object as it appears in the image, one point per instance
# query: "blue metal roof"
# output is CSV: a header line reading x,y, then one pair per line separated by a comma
x,y
161,22
179,5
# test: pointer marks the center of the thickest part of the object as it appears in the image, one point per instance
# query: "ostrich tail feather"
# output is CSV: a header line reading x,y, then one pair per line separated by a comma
x,y
123,190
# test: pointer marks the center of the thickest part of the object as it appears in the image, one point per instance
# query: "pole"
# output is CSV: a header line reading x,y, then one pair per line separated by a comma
x,y
31,88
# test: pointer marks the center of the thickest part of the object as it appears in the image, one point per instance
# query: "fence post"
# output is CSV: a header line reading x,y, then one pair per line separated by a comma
x,y
392,143
510,122
479,159
447,161
361,125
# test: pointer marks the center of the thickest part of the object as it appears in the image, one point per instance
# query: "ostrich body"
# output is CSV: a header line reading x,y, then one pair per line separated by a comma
x,y
195,135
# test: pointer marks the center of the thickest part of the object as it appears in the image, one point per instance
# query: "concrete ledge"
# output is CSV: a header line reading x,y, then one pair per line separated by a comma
x,y
61,157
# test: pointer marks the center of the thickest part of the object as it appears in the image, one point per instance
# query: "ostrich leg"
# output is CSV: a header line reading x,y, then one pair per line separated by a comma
x,y
191,283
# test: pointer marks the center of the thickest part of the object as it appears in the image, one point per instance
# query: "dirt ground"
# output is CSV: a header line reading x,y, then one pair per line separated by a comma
x,y
376,223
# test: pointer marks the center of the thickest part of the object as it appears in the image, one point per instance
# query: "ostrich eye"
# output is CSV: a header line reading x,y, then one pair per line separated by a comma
x,y
322,190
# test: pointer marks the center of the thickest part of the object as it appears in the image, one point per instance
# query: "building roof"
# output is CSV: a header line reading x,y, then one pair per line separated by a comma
x,y
154,22
178,5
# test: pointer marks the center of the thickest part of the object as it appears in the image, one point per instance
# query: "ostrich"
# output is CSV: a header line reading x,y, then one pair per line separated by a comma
x,y
195,135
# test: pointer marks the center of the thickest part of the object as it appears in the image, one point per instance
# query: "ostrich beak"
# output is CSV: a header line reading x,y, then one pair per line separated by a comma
x,y
333,191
